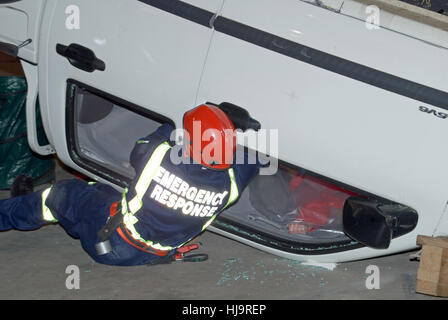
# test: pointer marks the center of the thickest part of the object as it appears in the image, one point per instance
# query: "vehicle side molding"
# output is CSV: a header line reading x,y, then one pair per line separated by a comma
x,y
374,223
303,53
183,10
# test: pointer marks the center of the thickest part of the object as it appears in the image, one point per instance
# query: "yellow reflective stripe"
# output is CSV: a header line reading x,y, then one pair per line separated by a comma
x,y
234,194
129,221
46,212
147,175
129,209
209,222
124,203
135,204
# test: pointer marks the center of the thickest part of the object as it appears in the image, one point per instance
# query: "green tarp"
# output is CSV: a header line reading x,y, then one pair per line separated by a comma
x,y
16,156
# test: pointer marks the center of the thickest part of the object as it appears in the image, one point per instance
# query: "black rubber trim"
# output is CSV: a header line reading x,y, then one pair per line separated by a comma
x,y
183,10
294,247
333,63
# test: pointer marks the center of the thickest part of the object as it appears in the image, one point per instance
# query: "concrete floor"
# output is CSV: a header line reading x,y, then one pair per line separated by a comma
x,y
34,266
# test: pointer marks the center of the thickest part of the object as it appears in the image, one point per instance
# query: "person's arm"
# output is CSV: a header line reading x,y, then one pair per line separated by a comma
x,y
147,144
246,167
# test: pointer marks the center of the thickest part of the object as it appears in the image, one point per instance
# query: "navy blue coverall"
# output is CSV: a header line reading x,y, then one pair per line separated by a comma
x,y
165,206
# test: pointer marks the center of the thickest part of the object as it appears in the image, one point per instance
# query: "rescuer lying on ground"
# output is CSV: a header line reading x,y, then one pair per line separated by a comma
x,y
165,206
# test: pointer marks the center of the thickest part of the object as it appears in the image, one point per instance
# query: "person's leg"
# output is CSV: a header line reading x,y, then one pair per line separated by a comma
x,y
67,203
82,210
122,254
22,213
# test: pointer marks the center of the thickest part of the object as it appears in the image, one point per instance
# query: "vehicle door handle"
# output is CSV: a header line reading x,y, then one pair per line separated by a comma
x,y
81,57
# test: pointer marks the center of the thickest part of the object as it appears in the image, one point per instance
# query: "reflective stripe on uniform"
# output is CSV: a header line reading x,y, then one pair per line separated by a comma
x,y
129,221
129,209
234,194
146,177
46,212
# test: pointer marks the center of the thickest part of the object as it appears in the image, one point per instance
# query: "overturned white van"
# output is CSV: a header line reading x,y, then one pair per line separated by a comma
x,y
360,107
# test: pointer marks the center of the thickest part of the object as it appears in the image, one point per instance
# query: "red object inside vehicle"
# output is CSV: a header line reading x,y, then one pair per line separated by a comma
x,y
317,200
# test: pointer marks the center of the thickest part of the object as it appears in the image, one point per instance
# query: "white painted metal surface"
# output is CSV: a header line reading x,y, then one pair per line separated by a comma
x,y
153,59
31,73
363,10
355,133
20,21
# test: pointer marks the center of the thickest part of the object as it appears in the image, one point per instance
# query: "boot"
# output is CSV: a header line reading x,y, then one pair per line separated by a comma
x,y
21,186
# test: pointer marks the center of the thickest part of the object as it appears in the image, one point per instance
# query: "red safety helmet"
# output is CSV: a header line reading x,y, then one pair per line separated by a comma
x,y
210,137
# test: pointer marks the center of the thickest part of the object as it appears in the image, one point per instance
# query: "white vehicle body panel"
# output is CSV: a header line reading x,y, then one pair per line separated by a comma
x,y
20,21
159,71
350,131
341,128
